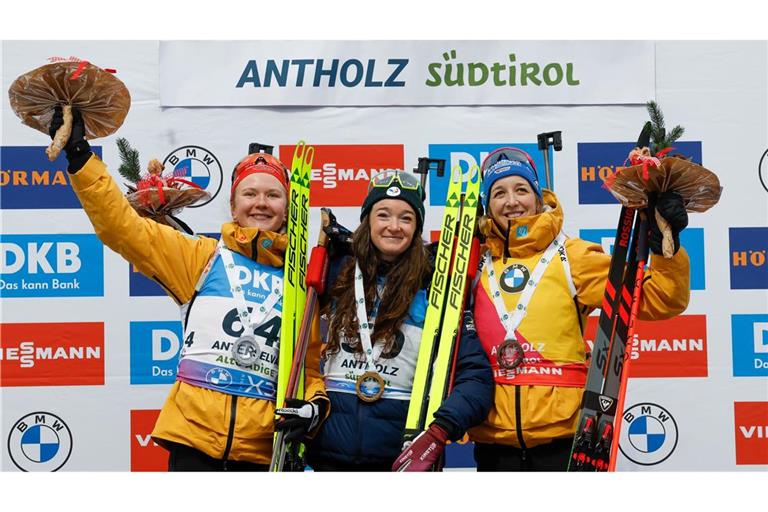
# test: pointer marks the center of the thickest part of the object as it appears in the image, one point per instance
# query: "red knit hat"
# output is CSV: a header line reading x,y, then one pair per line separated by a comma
x,y
259,163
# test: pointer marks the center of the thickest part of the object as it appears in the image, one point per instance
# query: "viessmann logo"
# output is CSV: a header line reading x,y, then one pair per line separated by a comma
x,y
52,354
341,173
28,180
599,160
676,347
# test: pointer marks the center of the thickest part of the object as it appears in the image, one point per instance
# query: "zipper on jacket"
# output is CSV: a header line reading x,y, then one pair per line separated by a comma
x,y
167,290
519,429
359,431
231,433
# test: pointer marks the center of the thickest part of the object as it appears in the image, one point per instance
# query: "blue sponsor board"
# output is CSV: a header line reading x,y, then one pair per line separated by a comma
x,y
748,248
598,160
155,348
51,266
141,286
749,338
692,239
467,155
28,180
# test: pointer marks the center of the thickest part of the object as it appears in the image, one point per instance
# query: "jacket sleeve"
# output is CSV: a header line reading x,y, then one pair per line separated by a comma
x,y
470,400
666,285
159,252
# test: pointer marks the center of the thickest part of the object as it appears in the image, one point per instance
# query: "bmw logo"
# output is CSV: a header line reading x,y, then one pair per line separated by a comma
x,y
40,441
198,165
219,377
648,434
514,278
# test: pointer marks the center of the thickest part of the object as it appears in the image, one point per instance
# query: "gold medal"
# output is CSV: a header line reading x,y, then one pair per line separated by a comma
x,y
370,386
510,354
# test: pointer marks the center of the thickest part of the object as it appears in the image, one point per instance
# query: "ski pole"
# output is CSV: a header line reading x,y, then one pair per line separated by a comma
x,y
642,251
425,164
317,272
545,140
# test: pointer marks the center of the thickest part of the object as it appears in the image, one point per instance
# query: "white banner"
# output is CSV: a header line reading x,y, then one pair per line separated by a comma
x,y
357,73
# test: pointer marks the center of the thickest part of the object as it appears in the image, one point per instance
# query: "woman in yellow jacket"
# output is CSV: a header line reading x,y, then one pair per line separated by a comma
x,y
536,404
220,412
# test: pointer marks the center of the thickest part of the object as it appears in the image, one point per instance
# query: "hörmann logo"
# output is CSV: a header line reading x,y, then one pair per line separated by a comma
x,y
749,341
692,239
748,250
676,347
599,160
751,432
29,181
198,165
52,354
51,266
155,350
40,441
341,172
467,155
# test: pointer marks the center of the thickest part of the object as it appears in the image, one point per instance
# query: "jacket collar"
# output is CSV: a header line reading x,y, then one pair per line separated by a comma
x,y
526,235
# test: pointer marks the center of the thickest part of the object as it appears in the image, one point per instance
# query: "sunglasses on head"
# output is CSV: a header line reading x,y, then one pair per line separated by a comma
x,y
386,178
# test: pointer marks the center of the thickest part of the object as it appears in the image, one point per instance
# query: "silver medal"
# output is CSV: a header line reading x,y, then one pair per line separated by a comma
x,y
246,350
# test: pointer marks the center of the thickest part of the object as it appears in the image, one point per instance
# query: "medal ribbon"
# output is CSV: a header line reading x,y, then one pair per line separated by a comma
x,y
512,321
362,319
249,323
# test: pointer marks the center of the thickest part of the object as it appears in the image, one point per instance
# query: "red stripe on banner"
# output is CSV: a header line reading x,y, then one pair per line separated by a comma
x,y
609,289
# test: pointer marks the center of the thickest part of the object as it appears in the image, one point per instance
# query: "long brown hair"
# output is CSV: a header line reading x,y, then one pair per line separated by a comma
x,y
404,279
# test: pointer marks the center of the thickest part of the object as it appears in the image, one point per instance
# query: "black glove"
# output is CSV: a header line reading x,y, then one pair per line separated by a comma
x,y
299,418
77,149
339,238
670,205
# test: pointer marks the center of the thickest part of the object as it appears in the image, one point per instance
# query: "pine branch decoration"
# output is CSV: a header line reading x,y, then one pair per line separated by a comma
x,y
661,140
130,168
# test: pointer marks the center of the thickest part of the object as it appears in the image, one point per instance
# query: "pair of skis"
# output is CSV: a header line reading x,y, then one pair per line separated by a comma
x,y
294,329
457,256
595,445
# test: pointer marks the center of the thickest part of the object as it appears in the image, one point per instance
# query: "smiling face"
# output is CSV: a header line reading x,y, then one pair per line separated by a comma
x,y
260,201
510,198
393,225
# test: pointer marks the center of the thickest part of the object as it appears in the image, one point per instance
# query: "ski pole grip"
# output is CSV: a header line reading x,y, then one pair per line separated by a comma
x,y
318,269
474,259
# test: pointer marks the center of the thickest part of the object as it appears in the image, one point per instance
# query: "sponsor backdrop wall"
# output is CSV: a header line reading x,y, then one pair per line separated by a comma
x,y
89,347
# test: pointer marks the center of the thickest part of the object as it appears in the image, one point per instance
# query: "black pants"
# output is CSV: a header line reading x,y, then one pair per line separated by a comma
x,y
185,458
552,456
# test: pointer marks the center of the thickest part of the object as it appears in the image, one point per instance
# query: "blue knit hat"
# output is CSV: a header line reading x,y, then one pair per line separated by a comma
x,y
505,162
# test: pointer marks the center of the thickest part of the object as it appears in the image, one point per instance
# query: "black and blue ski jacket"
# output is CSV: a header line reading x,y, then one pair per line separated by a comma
x,y
363,433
